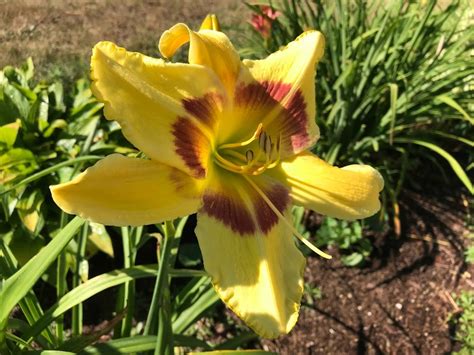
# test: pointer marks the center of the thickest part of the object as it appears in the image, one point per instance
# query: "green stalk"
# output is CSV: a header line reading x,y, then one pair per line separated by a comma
x,y
77,312
129,287
21,282
164,340
61,283
126,298
160,303
29,305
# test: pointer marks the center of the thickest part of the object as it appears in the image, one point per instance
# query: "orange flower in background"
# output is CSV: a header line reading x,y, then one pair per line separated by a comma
x,y
230,140
263,22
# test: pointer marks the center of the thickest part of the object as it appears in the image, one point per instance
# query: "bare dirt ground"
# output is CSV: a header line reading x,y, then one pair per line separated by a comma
x,y
59,34
400,303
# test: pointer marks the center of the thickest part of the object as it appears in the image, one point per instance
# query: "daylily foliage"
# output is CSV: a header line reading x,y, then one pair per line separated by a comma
x,y
230,140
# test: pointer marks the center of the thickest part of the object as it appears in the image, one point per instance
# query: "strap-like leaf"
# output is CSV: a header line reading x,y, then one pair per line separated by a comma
x,y
20,283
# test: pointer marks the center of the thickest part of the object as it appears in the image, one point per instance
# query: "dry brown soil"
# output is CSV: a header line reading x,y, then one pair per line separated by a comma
x,y
59,34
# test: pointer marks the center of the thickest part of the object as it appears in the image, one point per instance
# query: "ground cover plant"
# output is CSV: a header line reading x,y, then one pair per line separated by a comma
x,y
415,116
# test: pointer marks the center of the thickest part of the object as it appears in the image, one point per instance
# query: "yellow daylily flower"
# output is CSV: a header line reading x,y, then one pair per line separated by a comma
x,y
230,140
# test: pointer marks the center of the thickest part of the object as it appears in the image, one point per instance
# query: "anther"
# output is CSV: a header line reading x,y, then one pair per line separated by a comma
x,y
268,145
249,156
278,144
262,140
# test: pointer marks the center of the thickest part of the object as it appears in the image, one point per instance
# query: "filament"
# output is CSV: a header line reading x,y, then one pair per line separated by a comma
x,y
256,134
288,224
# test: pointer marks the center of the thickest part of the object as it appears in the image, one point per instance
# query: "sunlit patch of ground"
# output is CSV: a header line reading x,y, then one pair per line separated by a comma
x,y
59,34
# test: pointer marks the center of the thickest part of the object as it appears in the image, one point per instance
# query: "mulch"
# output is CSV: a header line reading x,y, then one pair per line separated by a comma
x,y
401,301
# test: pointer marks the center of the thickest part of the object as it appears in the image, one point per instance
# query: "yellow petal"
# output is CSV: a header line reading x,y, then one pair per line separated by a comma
x,y
210,23
279,93
149,99
250,253
123,191
207,47
350,192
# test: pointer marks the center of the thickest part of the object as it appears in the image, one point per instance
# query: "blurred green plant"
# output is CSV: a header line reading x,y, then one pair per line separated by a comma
x,y
42,131
394,88
348,237
470,254
465,322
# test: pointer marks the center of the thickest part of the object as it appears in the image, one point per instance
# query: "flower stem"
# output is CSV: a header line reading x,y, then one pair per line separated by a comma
x,y
79,276
127,294
61,283
159,314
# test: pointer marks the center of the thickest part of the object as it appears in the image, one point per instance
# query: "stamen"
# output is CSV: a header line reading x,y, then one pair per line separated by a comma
x,y
276,160
288,224
268,145
249,156
246,142
262,139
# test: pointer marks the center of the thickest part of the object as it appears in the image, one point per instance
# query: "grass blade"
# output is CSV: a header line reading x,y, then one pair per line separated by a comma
x,y
458,170
451,102
123,346
189,315
50,170
21,282
89,289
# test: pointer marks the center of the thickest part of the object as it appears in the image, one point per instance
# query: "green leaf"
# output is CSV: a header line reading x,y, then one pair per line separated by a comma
x,y
15,157
190,314
451,160
123,346
29,211
8,134
457,138
451,102
20,283
48,352
393,109
352,259
79,343
57,91
30,305
24,245
50,170
189,254
100,239
237,341
17,101
14,163
235,352
89,289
